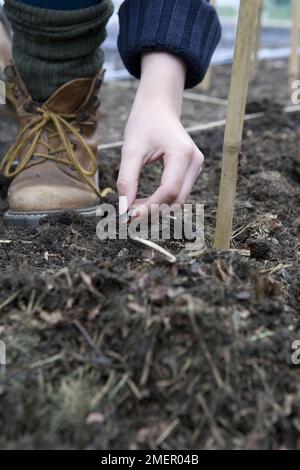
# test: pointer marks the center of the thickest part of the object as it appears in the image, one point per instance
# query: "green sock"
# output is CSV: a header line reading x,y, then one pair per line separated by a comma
x,y
52,47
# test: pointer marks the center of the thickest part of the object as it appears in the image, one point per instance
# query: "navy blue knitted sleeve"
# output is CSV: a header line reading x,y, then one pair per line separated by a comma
x,y
187,28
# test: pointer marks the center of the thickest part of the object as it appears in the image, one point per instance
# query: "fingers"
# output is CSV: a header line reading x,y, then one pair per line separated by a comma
x,y
180,173
192,175
181,170
128,178
171,183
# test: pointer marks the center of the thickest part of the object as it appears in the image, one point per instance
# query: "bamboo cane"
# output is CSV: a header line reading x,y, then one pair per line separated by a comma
x,y
206,84
235,120
294,58
257,41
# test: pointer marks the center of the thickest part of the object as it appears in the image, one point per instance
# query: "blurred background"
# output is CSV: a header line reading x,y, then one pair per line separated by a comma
x,y
275,37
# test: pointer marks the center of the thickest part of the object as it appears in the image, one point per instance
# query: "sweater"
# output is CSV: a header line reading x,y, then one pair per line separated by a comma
x,y
188,28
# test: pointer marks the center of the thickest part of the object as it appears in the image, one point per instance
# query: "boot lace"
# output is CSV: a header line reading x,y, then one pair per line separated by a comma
x,y
30,138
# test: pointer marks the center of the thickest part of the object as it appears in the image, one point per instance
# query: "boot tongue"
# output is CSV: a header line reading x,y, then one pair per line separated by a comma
x,y
70,97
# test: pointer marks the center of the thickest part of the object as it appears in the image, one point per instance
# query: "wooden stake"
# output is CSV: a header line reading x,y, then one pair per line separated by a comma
x,y
235,121
294,58
206,84
258,32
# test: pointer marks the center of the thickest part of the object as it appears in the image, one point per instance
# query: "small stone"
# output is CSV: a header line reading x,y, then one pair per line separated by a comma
x,y
244,295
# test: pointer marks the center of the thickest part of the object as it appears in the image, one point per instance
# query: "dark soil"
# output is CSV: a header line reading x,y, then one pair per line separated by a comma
x,y
110,346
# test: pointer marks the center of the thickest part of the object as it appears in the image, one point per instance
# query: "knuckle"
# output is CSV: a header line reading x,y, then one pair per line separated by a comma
x,y
122,185
181,200
198,158
172,192
187,149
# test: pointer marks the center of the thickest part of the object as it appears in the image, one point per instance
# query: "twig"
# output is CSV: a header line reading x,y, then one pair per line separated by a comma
x,y
147,363
211,421
100,356
205,99
206,127
134,389
241,252
156,247
276,268
215,372
166,433
9,300
119,386
104,390
46,362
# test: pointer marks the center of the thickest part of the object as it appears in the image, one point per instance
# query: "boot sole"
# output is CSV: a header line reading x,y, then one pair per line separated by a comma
x,y
24,219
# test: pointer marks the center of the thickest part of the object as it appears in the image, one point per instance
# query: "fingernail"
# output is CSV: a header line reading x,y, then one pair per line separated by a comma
x,y
132,213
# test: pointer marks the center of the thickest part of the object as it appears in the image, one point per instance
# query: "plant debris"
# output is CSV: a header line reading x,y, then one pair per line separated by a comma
x,y
112,346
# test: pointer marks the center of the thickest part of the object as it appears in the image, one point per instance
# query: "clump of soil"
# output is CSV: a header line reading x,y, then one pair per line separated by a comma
x,y
264,249
109,345
266,184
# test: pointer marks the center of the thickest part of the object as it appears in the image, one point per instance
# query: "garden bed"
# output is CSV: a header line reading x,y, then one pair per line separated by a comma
x,y
110,346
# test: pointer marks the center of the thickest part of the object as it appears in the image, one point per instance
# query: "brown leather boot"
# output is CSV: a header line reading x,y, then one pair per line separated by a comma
x,y
53,161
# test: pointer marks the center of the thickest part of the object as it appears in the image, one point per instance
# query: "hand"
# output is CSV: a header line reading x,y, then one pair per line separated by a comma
x,y
5,47
154,133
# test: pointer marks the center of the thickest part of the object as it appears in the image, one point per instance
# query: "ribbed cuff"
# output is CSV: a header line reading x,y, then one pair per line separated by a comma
x,y
187,28
61,4
52,47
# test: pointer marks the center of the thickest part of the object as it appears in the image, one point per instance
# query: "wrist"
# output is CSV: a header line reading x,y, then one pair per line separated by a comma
x,y
162,82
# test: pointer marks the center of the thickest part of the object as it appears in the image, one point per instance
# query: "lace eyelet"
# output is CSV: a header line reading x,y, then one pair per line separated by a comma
x,y
30,107
17,92
98,83
10,72
84,116
95,103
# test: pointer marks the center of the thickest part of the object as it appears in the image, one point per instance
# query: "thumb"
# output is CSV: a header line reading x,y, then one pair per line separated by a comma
x,y
128,180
